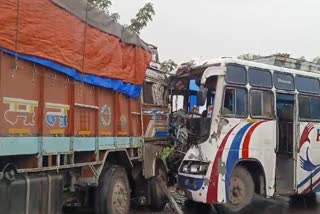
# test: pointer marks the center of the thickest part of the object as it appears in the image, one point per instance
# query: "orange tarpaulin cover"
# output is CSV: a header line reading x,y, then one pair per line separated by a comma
x,y
43,29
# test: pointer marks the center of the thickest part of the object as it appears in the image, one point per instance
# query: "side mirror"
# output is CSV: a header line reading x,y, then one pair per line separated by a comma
x,y
202,96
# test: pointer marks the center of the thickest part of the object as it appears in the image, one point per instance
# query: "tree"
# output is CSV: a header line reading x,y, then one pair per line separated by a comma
x,y
102,4
168,66
142,18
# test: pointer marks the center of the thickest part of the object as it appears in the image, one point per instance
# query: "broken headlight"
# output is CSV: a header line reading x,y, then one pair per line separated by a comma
x,y
194,167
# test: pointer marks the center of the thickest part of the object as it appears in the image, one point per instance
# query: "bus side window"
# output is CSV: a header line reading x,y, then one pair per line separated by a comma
x,y
235,102
309,107
262,104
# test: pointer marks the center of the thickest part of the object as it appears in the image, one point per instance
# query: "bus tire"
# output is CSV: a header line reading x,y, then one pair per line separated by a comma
x,y
158,198
241,189
113,192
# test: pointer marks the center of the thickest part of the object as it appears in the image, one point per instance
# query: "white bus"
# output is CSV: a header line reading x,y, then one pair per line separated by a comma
x,y
259,134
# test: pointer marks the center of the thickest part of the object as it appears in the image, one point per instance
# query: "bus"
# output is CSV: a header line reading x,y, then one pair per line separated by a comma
x,y
258,132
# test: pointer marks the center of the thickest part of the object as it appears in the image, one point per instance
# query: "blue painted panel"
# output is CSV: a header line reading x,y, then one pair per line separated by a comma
x,y
106,143
123,142
190,183
56,144
30,145
81,144
193,86
136,142
18,146
162,134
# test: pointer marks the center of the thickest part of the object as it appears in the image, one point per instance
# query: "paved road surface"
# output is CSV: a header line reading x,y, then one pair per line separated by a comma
x,y
259,206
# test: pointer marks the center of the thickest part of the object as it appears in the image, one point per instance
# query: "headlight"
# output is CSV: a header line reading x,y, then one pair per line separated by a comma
x,y
194,167
185,168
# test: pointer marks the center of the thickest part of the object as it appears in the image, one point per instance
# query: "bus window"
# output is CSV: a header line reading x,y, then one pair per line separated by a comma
x,y
235,102
283,81
260,77
309,107
236,74
261,104
307,84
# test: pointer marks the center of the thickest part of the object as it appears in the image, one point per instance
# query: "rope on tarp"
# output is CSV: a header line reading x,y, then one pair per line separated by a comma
x,y
84,42
15,65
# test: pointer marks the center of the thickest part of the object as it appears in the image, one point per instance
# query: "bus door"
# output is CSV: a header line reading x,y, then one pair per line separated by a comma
x,y
285,155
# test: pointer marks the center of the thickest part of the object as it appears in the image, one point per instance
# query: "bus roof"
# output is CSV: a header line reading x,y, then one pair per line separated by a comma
x,y
223,61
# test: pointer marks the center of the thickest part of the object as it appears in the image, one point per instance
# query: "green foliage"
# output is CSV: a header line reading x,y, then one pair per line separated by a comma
x,y
102,4
165,153
144,15
115,16
168,66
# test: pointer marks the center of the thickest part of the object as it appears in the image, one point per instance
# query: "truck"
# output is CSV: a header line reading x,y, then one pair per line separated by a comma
x,y
83,111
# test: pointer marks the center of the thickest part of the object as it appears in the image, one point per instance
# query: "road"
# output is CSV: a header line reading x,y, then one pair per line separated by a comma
x,y
259,206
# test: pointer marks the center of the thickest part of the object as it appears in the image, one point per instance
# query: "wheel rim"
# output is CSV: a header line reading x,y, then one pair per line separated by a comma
x,y
119,197
237,191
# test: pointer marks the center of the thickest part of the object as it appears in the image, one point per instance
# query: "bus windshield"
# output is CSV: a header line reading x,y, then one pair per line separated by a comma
x,y
197,115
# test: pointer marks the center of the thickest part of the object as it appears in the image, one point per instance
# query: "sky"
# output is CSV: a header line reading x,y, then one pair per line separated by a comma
x,y
204,29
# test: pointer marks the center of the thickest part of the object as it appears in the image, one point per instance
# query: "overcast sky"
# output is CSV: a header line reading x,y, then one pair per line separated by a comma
x,y
187,29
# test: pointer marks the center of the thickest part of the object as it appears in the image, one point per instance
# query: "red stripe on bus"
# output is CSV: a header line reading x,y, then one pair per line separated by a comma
x,y
311,187
246,142
212,195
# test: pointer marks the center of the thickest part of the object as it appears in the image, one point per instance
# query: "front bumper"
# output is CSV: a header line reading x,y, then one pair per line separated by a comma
x,y
194,188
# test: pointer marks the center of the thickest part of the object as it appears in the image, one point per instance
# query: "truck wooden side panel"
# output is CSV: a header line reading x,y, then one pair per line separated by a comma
x,y
45,112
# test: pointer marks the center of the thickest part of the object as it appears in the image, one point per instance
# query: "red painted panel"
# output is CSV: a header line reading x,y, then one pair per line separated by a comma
x,y
122,116
86,112
135,117
56,100
19,97
39,101
106,112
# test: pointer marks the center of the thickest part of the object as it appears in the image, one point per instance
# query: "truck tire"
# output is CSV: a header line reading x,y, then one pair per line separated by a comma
x,y
113,192
241,189
157,197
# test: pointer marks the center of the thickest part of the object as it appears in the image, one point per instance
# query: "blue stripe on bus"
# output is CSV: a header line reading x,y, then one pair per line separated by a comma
x,y
303,182
234,153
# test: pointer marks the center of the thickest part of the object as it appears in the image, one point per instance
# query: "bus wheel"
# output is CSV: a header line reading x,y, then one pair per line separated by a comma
x,y
241,189
113,193
157,196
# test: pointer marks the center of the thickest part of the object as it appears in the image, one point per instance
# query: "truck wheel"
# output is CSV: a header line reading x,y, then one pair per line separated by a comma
x,y
241,189
113,193
157,196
